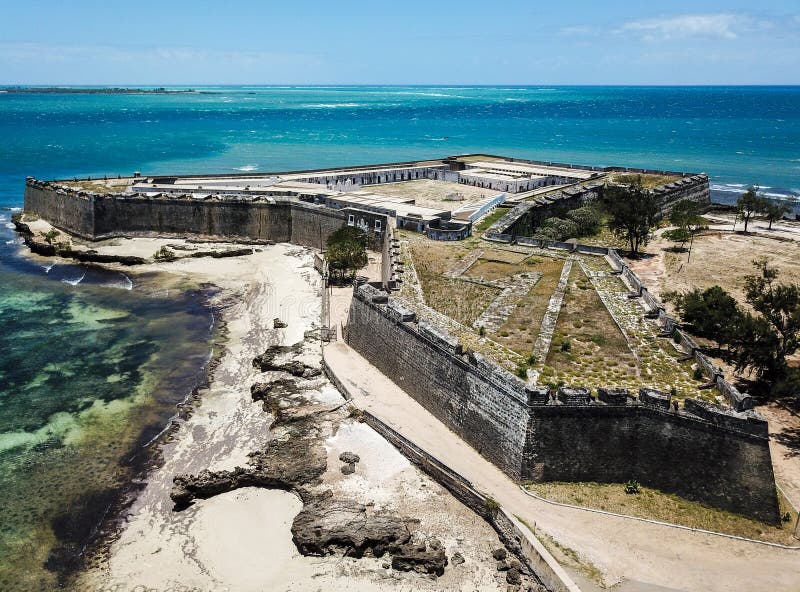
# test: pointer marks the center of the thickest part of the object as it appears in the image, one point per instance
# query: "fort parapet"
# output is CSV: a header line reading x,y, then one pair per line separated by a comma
x,y
96,216
527,216
702,452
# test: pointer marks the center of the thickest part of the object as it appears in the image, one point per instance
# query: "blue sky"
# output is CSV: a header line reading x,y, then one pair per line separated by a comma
x,y
410,42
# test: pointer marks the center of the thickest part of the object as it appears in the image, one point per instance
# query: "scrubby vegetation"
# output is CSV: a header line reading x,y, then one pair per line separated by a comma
x,y
757,340
346,253
583,221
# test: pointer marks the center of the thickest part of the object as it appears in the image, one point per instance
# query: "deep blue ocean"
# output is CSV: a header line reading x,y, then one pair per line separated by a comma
x,y
92,363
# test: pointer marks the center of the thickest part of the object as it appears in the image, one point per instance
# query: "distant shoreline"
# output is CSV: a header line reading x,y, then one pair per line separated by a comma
x,y
96,91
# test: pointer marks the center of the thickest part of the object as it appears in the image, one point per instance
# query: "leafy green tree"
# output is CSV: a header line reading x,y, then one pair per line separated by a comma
x,y
775,210
632,212
749,204
346,252
685,215
587,218
711,313
764,341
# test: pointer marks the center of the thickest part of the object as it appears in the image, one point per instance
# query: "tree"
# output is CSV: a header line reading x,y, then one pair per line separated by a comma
x,y
632,212
587,218
767,340
685,215
749,204
775,210
346,252
711,313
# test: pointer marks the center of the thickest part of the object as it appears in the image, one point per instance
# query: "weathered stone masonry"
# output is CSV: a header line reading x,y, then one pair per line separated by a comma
x,y
716,456
98,216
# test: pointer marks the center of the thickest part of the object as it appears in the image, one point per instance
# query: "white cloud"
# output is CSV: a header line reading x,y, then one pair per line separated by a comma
x,y
718,26
577,30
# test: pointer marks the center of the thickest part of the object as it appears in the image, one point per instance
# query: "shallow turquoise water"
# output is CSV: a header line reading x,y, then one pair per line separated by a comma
x,y
89,374
89,371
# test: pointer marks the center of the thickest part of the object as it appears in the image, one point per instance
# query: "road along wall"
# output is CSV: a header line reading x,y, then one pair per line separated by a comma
x,y
702,452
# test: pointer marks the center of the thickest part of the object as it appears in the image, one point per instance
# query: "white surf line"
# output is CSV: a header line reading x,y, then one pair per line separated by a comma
x,y
74,282
659,522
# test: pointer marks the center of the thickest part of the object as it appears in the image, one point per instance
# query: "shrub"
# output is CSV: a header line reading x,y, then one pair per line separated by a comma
x,y
492,505
481,330
599,339
698,373
786,517
632,487
164,254
587,219
522,370
566,345
50,235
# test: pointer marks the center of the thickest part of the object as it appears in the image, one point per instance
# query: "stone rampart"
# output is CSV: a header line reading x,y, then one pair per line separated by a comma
x,y
717,456
527,216
97,216
485,404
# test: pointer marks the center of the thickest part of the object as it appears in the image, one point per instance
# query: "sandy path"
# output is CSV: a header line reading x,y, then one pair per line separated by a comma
x,y
241,541
622,549
784,445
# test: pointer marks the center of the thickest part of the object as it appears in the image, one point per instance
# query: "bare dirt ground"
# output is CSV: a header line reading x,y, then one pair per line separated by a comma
x,y
718,258
434,194
723,258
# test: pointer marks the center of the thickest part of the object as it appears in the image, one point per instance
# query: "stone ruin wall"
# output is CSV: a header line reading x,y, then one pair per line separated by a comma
x,y
703,452
97,216
526,217
489,412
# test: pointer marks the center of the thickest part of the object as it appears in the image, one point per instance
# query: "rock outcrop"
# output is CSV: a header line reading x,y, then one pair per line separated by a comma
x,y
277,358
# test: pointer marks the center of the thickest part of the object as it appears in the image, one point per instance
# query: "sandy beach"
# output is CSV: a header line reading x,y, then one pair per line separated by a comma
x,y
241,540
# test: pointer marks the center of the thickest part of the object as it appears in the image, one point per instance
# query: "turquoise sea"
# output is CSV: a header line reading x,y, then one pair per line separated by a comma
x,y
92,363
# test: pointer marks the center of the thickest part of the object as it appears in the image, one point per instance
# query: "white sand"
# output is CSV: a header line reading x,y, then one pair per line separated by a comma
x,y
240,541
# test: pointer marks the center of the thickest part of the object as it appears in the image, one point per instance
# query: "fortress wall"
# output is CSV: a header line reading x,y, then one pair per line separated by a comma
x,y
214,218
705,453
489,416
671,451
64,210
96,216
311,226
526,217
695,188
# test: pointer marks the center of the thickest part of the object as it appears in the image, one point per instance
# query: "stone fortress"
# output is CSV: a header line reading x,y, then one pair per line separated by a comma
x,y
715,454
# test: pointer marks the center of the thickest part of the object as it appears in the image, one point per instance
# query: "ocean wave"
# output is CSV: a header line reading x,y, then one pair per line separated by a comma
x,y
247,168
3,218
74,282
9,225
432,94
739,188
331,105
124,284
47,268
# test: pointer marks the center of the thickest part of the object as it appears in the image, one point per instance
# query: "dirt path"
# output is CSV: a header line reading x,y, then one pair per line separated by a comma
x,y
784,446
621,549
